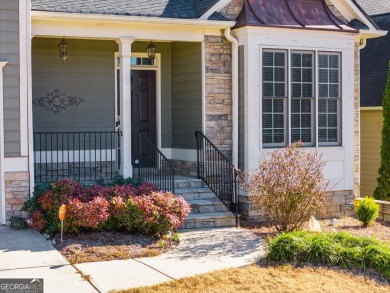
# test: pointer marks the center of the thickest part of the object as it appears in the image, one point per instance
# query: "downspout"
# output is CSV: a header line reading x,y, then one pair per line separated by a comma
x,y
234,41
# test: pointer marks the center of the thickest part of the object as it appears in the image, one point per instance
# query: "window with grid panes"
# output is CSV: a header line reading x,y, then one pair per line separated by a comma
x,y
289,102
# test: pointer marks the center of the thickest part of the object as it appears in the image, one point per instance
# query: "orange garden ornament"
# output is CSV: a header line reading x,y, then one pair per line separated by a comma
x,y
61,215
62,212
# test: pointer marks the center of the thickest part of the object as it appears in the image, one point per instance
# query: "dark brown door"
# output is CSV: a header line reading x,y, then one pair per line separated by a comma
x,y
143,108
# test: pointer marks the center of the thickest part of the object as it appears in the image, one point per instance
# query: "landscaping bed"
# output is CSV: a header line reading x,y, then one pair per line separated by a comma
x,y
111,245
379,230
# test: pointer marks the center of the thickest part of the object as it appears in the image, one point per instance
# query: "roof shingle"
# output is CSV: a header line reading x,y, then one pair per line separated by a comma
x,y
374,60
155,8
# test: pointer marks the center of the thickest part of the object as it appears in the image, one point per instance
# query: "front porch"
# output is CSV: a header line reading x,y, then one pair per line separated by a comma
x,y
87,126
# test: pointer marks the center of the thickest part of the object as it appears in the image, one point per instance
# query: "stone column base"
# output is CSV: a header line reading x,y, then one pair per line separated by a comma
x,y
17,191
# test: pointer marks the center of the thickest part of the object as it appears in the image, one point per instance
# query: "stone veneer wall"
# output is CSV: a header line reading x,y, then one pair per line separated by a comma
x,y
233,9
218,54
339,204
185,168
17,191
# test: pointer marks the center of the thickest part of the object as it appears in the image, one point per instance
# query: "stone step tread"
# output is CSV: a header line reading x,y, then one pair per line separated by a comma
x,y
205,216
203,202
193,190
187,179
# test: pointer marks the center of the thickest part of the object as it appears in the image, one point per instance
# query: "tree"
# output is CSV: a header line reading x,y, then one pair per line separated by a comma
x,y
382,191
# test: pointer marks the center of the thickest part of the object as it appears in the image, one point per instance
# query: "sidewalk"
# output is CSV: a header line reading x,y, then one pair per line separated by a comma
x,y
26,254
199,251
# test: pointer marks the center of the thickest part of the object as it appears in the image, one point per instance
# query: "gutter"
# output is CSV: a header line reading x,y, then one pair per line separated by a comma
x,y
63,16
234,41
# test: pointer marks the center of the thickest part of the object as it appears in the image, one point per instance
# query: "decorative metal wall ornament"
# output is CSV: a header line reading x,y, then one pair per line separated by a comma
x,y
57,101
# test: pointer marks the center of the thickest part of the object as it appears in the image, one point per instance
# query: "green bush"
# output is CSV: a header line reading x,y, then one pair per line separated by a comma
x,y
331,249
367,211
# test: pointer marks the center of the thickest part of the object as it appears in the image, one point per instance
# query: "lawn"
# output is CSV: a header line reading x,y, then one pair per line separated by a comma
x,y
258,278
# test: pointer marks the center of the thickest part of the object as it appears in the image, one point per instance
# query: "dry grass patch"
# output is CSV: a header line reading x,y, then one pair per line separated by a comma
x,y
111,245
256,278
379,230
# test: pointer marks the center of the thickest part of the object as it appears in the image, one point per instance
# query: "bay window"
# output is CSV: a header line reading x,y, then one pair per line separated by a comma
x,y
300,98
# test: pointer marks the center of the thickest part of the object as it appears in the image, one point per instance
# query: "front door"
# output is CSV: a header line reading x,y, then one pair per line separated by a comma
x,y
143,111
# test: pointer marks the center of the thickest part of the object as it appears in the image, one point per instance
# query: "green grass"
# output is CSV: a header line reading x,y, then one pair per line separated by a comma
x,y
331,249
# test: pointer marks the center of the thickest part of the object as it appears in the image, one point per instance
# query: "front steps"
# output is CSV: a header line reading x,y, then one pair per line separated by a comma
x,y
207,210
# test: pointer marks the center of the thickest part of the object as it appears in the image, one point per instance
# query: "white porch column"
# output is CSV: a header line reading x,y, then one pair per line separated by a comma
x,y
125,104
2,183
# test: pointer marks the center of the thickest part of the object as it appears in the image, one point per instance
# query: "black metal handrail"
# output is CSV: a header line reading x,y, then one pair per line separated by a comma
x,y
217,172
153,166
84,156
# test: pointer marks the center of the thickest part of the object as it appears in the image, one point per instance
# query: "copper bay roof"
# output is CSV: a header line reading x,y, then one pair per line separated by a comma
x,y
309,14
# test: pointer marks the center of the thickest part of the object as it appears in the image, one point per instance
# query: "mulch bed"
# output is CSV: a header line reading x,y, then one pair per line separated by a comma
x,y
111,245
379,230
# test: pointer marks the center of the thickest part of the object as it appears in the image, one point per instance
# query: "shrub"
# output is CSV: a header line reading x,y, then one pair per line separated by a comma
x,y
368,211
90,215
146,188
290,186
37,221
159,212
331,249
94,208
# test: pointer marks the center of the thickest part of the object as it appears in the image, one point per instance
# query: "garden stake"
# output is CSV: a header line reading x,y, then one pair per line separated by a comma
x,y
61,215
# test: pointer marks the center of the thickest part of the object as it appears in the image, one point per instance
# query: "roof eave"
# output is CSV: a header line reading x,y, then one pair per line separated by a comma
x,y
50,15
371,34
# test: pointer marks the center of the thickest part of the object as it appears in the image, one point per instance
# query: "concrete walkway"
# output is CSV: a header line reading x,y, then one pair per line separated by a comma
x,y
199,251
26,254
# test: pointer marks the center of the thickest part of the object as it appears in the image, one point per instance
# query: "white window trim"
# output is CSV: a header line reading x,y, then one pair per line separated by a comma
x,y
316,52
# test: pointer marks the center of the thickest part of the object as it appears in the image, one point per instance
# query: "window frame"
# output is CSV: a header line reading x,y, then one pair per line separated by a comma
x,y
315,99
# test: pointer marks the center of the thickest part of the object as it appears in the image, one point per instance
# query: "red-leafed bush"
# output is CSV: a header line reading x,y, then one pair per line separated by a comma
x,y
146,188
90,215
37,221
119,207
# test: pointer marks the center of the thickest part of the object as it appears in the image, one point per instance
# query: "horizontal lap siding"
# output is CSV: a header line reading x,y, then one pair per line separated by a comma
x,y
9,51
186,94
88,73
371,127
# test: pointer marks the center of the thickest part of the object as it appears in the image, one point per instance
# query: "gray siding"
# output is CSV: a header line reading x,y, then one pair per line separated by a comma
x,y
9,51
186,94
241,109
89,72
165,50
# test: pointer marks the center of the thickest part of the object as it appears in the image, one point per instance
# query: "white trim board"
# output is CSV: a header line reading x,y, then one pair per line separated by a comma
x,y
377,108
2,171
25,60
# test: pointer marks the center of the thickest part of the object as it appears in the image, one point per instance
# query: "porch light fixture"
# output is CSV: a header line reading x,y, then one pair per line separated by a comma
x,y
63,46
151,50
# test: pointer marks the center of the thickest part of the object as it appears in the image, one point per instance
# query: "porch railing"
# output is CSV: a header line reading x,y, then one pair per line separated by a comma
x,y
153,166
217,172
84,156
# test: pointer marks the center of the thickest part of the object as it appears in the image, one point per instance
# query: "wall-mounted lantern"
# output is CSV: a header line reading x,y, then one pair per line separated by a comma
x,y
63,46
151,50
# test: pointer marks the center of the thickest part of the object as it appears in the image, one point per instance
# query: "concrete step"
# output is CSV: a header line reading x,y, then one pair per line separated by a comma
x,y
188,182
211,205
209,220
195,193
